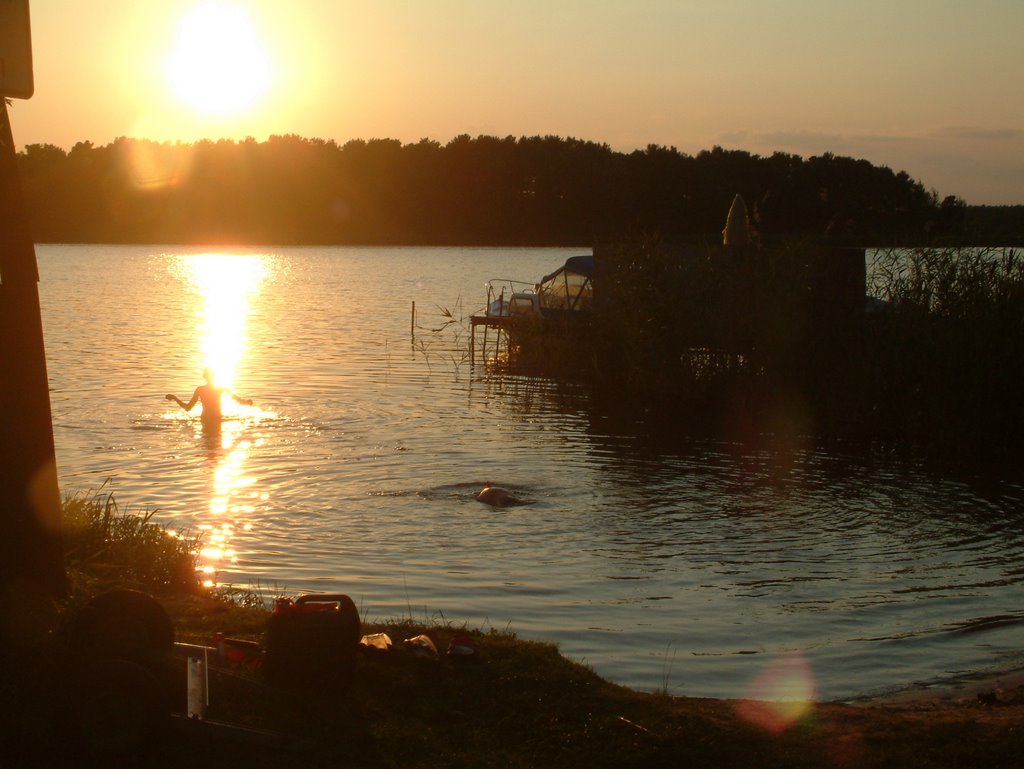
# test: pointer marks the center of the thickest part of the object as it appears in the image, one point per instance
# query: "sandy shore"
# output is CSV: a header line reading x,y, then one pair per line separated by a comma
x,y
987,689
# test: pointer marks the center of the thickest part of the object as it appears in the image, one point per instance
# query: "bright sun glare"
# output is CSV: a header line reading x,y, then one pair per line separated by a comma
x,y
218,63
226,283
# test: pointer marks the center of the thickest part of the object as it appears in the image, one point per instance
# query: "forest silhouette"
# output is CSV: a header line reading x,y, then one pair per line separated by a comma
x,y
528,191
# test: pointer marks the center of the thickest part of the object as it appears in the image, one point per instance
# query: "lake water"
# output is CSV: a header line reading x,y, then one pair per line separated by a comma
x,y
713,569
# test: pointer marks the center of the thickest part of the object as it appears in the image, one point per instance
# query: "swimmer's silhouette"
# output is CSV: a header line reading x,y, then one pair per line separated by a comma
x,y
209,395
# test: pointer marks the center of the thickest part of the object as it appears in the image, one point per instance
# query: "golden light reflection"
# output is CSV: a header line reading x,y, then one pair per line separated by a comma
x,y
227,285
781,695
229,505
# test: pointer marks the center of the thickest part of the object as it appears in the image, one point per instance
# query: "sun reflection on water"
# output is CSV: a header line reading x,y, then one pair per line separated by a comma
x,y
227,285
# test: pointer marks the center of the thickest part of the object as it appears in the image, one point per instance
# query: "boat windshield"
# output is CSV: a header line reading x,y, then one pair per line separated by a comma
x,y
566,290
569,287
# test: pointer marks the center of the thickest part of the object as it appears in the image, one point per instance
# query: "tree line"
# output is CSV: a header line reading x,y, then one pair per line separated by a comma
x,y
471,191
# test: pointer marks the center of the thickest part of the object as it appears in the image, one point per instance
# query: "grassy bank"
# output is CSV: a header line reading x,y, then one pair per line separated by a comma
x,y
513,703
520,703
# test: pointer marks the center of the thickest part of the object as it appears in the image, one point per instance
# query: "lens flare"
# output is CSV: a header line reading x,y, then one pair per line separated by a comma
x,y
781,696
150,166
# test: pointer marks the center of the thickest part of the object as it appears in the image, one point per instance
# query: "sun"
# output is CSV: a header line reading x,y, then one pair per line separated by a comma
x,y
218,64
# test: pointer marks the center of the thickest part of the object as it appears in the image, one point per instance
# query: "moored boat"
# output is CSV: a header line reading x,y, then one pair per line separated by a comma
x,y
512,306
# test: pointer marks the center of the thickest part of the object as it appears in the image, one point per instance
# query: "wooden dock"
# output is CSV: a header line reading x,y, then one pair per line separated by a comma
x,y
500,324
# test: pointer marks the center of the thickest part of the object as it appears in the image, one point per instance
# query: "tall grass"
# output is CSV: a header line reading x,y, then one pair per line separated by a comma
x,y
948,354
105,544
448,341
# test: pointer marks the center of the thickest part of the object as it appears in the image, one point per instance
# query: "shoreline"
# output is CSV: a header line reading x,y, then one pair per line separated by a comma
x,y
401,708
996,687
993,686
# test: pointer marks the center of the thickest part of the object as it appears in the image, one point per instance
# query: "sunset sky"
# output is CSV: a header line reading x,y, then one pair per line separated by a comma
x,y
932,87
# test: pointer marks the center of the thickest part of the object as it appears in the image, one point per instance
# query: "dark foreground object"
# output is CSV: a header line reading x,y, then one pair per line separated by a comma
x,y
94,687
312,642
109,687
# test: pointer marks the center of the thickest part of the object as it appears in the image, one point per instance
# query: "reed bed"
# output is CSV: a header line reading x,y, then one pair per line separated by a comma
x,y
923,351
104,543
947,352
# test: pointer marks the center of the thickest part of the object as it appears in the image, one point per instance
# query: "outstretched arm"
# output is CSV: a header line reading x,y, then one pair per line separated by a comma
x,y
237,399
187,406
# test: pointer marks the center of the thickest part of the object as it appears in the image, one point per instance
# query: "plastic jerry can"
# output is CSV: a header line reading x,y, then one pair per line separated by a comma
x,y
312,641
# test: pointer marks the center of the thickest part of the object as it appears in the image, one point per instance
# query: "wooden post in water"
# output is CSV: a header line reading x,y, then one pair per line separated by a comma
x,y
30,511
412,322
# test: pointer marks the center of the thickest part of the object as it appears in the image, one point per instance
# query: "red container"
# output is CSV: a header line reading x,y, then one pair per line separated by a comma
x,y
312,641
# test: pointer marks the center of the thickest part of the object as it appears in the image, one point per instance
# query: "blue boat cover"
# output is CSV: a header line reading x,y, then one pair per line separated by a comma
x,y
582,265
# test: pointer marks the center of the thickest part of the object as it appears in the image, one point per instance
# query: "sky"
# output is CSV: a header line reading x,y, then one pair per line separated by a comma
x,y
931,87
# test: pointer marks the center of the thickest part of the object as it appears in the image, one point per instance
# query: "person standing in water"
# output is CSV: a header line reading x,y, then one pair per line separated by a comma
x,y
210,396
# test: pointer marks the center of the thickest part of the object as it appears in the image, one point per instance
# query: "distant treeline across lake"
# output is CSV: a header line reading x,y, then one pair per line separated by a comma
x,y
474,191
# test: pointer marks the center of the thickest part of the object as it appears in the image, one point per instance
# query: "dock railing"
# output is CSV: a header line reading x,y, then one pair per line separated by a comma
x,y
495,315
